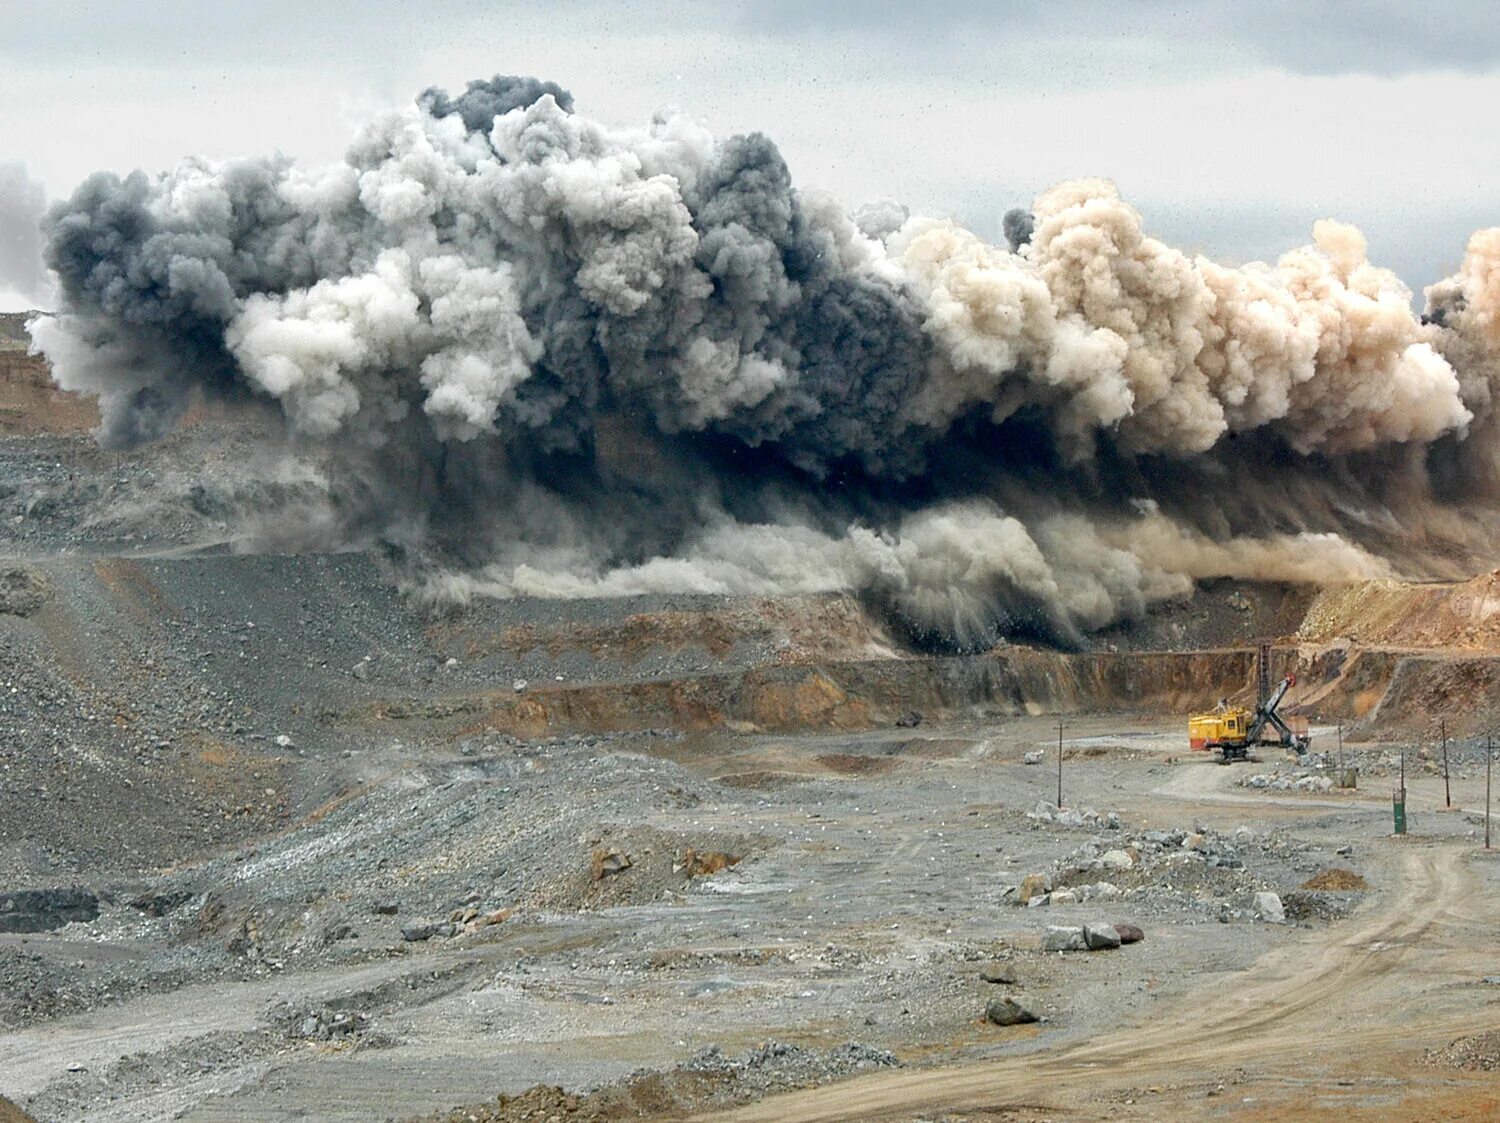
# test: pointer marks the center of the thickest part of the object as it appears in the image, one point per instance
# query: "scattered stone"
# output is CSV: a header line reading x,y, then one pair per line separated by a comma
x,y
609,861
1035,756
1129,933
22,591
999,973
519,685
909,720
1039,901
1116,860
1268,907
1034,885
425,930
1007,1012
325,1025
487,919
283,741
1064,939
385,908
695,863
1101,937
1064,897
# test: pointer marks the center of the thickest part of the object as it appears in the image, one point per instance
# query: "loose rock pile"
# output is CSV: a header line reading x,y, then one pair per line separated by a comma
x,y
1479,1052
1201,870
1287,782
1079,817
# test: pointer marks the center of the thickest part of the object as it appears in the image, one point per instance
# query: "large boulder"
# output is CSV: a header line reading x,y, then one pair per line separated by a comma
x,y
1007,1012
1034,885
1098,937
426,930
608,861
1064,939
999,973
22,591
1129,933
1268,907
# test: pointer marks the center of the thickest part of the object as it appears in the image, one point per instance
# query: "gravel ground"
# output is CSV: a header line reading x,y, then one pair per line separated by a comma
x,y
265,855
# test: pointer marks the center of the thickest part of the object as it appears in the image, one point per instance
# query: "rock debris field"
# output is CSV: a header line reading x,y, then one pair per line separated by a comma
x,y
279,841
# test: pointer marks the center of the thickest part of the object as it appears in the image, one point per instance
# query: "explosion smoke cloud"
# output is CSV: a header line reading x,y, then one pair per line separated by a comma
x,y
22,203
589,360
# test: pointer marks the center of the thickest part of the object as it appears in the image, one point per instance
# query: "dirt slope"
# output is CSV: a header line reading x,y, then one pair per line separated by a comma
x,y
1463,616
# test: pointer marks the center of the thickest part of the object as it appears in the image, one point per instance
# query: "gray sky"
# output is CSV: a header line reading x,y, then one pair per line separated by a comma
x,y
1231,125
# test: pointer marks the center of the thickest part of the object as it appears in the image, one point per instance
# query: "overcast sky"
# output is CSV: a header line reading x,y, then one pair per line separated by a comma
x,y
1231,125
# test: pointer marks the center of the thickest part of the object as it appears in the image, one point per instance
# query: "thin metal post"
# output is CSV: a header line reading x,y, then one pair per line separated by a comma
x,y
1398,799
1489,756
1341,746
1059,763
1447,788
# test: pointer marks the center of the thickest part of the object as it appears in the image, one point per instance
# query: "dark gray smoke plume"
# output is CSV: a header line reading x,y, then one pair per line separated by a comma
x,y
569,359
1017,227
22,203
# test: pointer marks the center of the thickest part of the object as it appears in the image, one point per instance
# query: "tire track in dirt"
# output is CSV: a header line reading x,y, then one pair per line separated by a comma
x,y
1284,1004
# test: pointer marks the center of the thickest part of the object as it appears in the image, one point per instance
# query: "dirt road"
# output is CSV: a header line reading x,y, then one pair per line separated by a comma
x,y
1374,986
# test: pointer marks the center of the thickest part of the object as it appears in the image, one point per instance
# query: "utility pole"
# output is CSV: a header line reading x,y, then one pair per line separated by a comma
x,y
1489,756
1399,802
1059,763
1447,789
1341,746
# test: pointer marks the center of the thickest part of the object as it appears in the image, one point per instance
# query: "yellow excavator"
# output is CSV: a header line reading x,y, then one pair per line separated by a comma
x,y
1234,730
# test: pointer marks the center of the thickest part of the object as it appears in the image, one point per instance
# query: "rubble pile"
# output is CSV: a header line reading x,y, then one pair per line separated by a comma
x,y
1478,1052
1200,871
1292,781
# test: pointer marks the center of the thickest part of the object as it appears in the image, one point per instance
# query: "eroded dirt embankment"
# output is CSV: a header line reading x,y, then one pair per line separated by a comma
x,y
1440,615
327,643
1385,691
834,695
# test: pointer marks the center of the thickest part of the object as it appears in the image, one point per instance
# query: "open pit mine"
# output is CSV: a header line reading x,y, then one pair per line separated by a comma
x,y
542,620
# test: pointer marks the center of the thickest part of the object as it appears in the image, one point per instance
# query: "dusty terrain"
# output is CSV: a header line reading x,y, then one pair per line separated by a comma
x,y
278,843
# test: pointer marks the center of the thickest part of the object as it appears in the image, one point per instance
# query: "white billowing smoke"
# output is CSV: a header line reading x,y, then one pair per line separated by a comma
x,y
1467,304
490,285
1114,330
23,201
963,570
